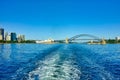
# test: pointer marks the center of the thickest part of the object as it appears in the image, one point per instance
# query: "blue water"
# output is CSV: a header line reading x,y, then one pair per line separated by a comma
x,y
59,62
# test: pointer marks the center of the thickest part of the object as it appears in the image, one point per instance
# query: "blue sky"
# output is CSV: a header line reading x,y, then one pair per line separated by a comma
x,y
58,19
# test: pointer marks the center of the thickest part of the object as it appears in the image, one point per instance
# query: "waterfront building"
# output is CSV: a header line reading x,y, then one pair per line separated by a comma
x,y
0,37
49,41
8,38
2,33
21,38
13,37
6,34
117,38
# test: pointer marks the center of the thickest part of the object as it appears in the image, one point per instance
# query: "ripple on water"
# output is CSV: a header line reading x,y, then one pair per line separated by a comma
x,y
60,62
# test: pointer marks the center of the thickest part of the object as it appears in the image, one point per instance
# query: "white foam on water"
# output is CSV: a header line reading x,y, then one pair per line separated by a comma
x,y
54,68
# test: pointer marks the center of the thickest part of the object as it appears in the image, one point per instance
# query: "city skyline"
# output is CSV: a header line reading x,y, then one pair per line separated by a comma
x,y
9,37
61,19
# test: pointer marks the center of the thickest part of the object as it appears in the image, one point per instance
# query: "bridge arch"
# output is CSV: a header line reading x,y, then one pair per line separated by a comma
x,y
84,35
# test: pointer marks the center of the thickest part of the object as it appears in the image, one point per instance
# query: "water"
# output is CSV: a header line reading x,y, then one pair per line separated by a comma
x,y
59,62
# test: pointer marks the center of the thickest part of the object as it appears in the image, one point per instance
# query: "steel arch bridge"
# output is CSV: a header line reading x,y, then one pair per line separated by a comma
x,y
84,35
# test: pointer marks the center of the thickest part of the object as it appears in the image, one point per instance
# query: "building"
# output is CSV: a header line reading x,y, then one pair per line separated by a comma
x,y
13,37
117,38
8,38
6,34
21,38
2,33
1,37
49,41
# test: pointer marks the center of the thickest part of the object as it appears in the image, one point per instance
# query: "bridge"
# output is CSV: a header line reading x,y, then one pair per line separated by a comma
x,y
84,35
79,38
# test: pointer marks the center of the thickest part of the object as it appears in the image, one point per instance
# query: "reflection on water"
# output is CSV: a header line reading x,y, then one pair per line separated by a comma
x,y
5,51
59,62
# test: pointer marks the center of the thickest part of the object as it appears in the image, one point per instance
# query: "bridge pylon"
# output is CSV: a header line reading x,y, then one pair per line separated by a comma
x,y
67,40
103,41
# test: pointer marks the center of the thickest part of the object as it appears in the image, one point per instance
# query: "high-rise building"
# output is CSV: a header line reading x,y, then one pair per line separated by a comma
x,y
117,38
21,38
8,38
13,37
2,33
6,34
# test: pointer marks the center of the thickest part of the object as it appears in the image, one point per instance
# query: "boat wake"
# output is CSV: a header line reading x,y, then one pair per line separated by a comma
x,y
57,66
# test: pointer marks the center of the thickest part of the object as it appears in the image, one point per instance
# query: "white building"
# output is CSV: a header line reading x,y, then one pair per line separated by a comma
x,y
46,41
8,38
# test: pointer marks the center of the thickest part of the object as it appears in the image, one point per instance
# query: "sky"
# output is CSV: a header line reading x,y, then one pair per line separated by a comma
x,y
58,19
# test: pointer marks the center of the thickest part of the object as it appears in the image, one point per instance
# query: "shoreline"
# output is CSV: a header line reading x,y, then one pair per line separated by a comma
x,y
60,43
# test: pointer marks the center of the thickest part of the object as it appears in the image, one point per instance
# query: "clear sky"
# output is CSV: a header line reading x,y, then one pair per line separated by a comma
x,y
58,19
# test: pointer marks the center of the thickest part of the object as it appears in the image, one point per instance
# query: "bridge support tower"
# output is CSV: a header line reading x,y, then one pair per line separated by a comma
x,y
103,41
67,40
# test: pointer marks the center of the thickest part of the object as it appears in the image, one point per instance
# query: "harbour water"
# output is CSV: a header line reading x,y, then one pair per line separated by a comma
x,y
59,62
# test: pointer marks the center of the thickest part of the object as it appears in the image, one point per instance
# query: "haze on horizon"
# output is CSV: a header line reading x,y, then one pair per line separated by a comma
x,y
58,19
